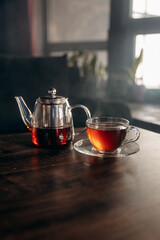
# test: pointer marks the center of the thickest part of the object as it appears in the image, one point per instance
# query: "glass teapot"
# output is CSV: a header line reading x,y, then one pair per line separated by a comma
x,y
51,123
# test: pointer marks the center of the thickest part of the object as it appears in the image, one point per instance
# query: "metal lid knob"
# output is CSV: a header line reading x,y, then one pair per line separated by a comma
x,y
52,98
52,92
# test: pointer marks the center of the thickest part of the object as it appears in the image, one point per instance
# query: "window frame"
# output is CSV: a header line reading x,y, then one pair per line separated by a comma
x,y
125,28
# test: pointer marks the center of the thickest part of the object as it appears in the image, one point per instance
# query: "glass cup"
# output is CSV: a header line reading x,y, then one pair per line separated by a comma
x,y
109,134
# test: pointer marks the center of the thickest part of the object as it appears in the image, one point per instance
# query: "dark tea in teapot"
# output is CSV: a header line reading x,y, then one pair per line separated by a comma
x,y
44,137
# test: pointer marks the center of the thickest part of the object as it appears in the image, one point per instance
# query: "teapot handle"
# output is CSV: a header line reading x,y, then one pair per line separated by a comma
x,y
86,111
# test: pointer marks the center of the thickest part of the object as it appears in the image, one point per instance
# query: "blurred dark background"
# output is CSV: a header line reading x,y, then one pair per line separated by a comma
x,y
93,51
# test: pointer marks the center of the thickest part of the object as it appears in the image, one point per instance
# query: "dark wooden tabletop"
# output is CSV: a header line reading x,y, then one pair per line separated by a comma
x,y
63,194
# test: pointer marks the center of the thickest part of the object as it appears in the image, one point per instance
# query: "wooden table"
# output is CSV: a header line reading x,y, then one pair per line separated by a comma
x,y
63,194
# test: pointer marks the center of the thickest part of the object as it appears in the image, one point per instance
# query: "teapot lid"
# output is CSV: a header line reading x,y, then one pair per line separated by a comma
x,y
52,98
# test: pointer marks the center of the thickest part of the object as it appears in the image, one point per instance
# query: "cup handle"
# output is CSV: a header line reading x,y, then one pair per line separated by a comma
x,y
133,139
86,111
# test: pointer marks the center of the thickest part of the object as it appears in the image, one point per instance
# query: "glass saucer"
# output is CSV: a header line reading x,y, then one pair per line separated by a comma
x,y
84,146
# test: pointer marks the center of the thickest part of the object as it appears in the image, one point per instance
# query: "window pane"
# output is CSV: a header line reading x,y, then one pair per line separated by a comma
x,y
145,8
149,70
74,20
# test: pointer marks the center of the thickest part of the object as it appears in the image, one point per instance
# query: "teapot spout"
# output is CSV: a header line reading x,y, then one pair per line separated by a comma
x,y
25,112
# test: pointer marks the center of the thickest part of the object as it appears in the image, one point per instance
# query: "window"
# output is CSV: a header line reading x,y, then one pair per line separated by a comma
x,y
145,8
148,71
76,25
77,21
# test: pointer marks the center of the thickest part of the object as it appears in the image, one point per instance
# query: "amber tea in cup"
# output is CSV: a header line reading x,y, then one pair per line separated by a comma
x,y
108,134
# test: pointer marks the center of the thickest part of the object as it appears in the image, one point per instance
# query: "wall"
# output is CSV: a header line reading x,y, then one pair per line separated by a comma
x,y
14,27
